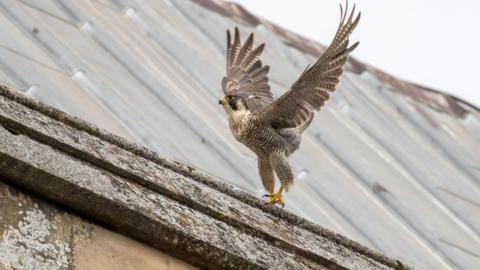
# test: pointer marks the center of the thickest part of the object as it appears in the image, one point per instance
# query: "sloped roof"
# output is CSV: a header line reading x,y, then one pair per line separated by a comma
x,y
386,163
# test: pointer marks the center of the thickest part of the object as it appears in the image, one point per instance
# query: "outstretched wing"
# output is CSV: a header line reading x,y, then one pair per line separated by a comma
x,y
246,76
308,94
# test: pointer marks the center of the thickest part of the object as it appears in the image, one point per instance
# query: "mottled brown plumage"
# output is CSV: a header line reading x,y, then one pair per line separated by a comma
x,y
272,129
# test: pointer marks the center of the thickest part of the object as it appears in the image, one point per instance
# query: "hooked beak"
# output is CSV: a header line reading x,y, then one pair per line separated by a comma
x,y
223,100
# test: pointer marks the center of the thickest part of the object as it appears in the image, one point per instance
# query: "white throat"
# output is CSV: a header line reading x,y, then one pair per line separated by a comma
x,y
237,121
238,115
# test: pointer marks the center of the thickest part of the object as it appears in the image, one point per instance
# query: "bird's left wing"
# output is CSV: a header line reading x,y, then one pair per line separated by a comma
x,y
308,94
246,76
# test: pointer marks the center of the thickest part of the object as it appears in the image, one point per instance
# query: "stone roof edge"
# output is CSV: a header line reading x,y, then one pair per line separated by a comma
x,y
197,175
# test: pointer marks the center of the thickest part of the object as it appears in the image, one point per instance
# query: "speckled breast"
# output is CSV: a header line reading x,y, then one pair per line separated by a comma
x,y
260,139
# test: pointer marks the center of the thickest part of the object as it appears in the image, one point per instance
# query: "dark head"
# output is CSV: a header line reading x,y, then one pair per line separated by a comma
x,y
232,103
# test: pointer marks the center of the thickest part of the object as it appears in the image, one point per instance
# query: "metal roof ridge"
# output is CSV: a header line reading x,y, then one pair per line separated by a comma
x,y
236,11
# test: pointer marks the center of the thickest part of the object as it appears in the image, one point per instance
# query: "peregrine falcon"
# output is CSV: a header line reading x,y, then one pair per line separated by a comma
x,y
272,128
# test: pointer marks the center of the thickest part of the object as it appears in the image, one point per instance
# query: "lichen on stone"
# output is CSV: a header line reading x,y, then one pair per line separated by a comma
x,y
28,246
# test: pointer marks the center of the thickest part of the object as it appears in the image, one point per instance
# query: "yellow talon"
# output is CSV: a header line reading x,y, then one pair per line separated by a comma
x,y
276,197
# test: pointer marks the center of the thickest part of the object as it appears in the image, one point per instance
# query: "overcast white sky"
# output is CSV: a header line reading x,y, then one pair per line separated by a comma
x,y
432,43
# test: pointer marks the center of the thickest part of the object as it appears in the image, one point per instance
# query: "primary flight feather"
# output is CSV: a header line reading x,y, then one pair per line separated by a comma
x,y
271,128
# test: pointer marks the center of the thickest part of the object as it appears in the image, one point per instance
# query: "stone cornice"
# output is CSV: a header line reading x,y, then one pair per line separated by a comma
x,y
173,207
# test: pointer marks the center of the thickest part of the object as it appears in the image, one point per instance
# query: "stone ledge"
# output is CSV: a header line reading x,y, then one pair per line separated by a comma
x,y
37,235
164,203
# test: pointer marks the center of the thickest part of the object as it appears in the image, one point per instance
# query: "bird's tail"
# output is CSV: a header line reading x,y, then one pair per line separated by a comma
x,y
305,125
293,136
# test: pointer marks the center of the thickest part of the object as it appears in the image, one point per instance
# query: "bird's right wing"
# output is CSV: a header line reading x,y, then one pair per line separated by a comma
x,y
308,94
246,76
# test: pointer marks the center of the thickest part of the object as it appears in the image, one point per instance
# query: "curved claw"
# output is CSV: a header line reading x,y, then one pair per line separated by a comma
x,y
276,198
264,196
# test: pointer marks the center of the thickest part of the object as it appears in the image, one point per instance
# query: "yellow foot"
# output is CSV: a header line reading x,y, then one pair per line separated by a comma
x,y
276,198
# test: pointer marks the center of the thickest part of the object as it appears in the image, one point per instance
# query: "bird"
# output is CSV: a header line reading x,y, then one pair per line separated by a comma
x,y
272,128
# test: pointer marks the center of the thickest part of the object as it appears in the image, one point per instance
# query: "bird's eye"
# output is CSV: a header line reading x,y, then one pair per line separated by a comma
x,y
229,97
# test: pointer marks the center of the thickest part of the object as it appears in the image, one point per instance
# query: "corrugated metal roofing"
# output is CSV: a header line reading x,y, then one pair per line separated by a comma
x,y
387,169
